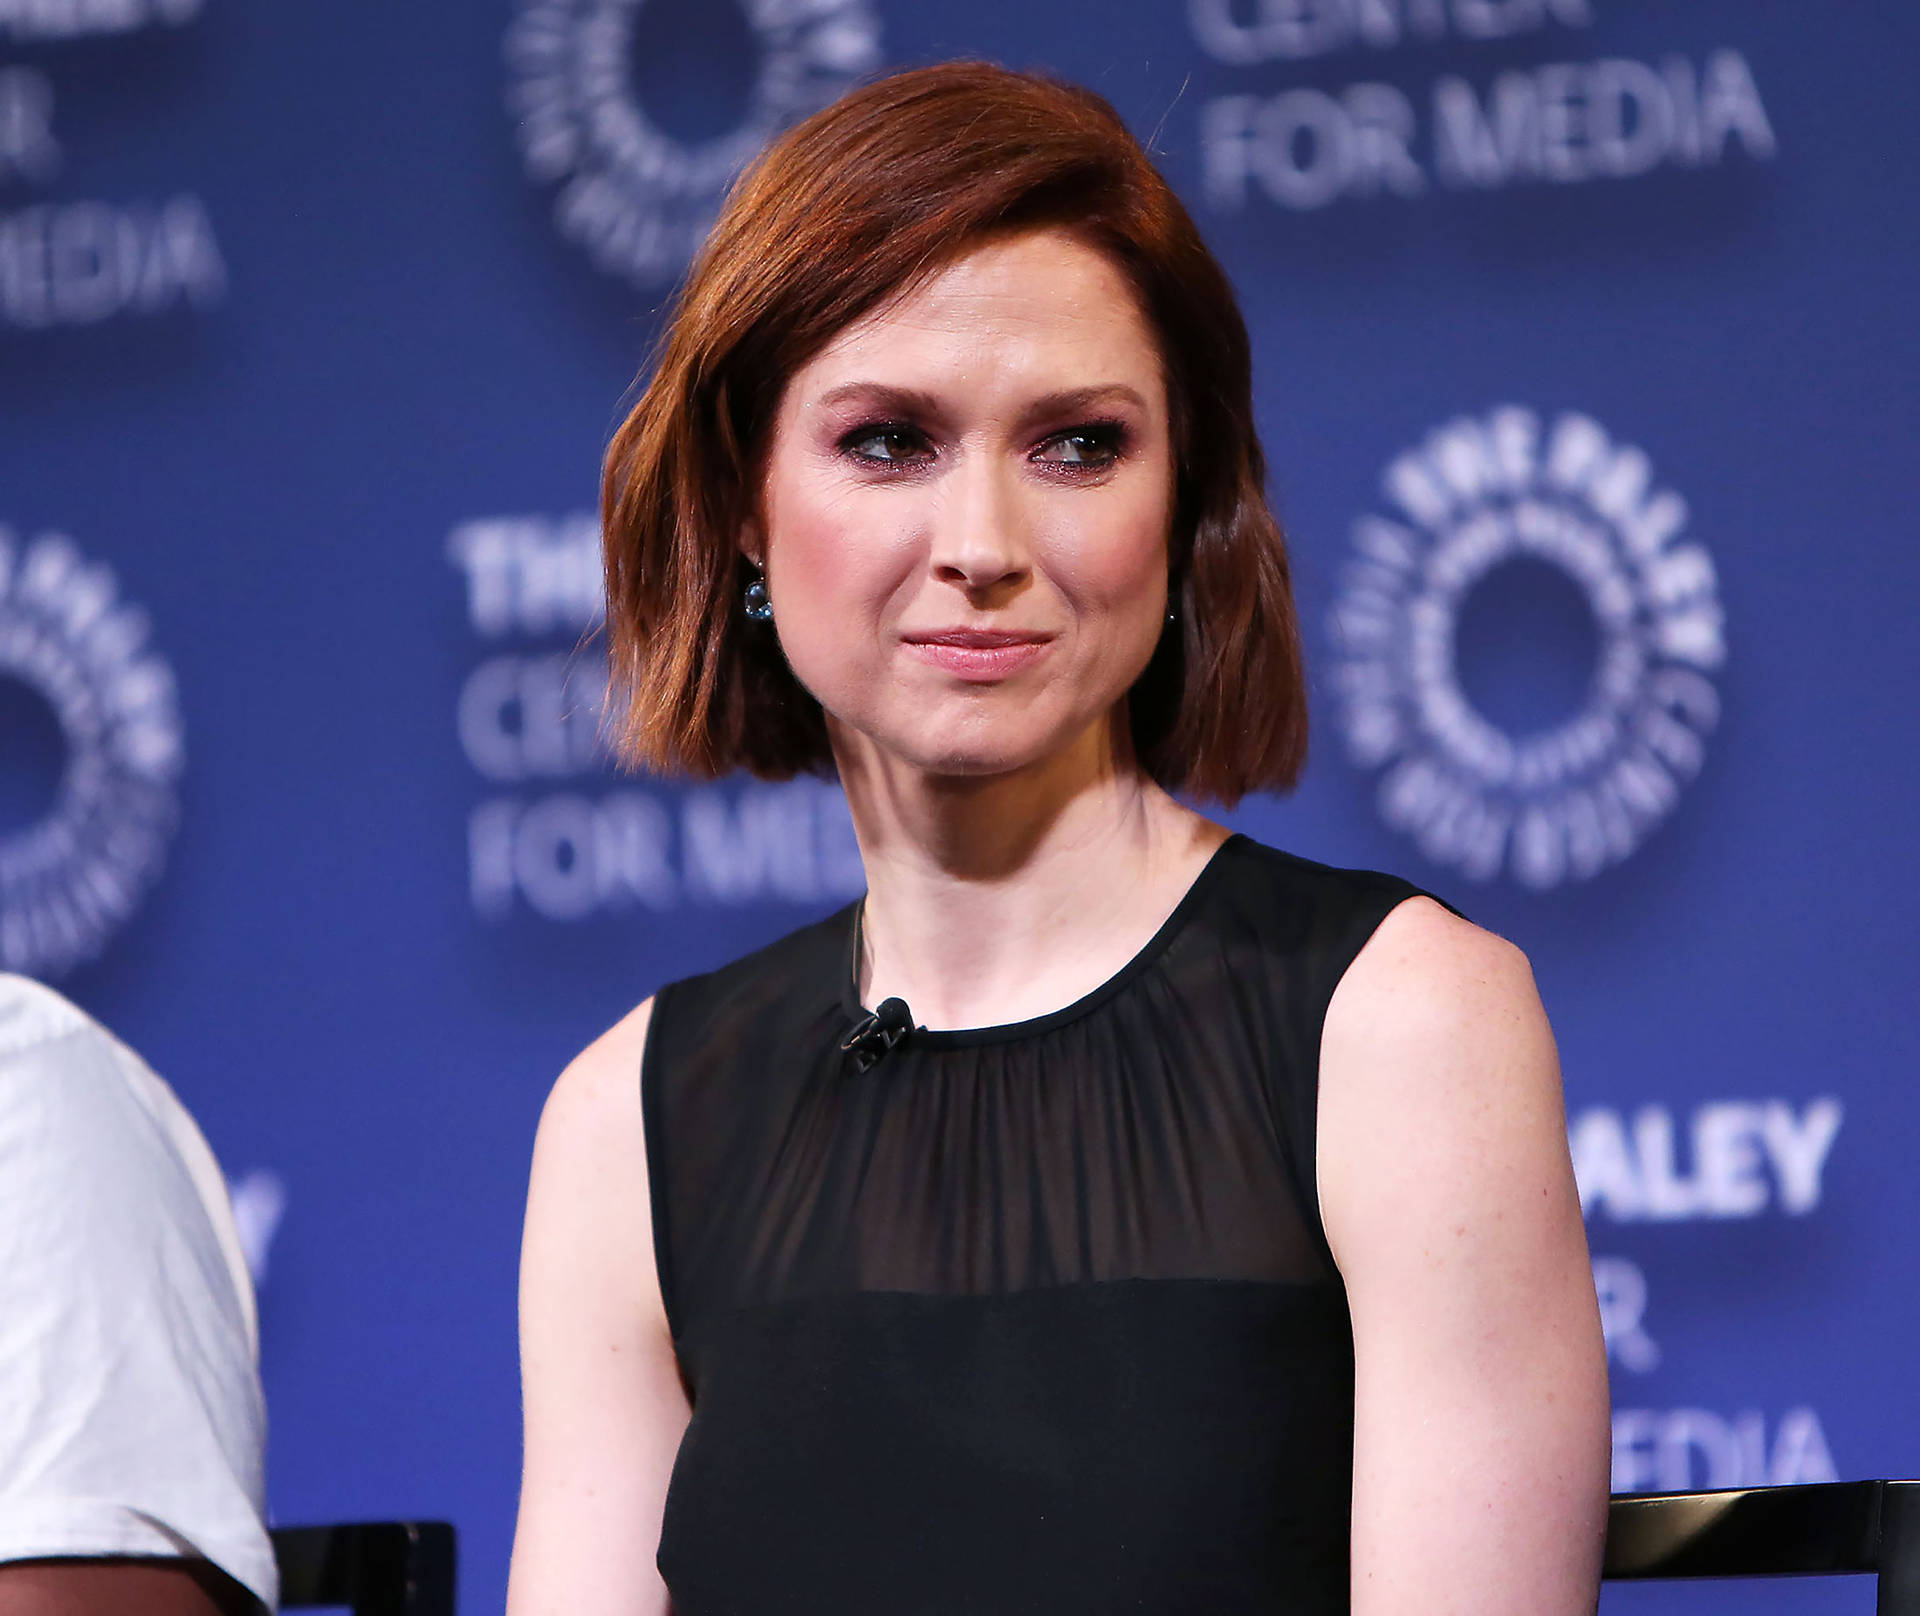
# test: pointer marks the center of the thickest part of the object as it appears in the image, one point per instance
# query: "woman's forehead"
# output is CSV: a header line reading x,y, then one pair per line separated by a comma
x,y
1042,308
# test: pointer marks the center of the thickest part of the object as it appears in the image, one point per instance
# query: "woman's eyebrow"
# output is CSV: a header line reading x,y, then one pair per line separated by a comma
x,y
913,403
1077,400
881,396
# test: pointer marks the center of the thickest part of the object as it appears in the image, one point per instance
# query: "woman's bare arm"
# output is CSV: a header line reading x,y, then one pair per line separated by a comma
x,y
603,1402
1480,1425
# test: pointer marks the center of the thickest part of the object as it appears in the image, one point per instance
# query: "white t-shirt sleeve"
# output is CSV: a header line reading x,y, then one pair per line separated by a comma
x,y
131,1414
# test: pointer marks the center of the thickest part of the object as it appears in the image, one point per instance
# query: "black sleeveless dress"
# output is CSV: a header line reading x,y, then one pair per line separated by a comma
x,y
1037,1317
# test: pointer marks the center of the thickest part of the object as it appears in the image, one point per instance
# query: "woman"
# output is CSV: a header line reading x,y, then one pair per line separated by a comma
x,y
1203,1238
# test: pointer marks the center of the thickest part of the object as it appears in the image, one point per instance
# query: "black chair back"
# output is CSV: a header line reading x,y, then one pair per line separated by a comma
x,y
374,1568
1821,1529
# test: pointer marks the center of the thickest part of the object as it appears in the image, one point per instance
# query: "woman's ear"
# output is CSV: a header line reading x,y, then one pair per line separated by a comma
x,y
752,544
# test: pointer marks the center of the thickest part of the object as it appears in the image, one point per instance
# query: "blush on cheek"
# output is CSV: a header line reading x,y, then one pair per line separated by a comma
x,y
1118,575
830,615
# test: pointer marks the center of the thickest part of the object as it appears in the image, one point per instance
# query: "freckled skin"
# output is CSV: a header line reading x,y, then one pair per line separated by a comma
x,y
976,517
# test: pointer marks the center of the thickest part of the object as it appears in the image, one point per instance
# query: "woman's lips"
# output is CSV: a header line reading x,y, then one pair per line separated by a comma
x,y
979,655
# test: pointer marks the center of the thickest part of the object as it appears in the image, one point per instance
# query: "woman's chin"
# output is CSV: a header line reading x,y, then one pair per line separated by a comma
x,y
962,762
967,750
970,760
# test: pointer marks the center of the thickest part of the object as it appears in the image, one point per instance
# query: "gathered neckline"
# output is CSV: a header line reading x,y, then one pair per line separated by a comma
x,y
1009,1031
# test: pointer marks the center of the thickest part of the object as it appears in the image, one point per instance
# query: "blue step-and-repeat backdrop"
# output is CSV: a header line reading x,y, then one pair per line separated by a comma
x,y
1586,348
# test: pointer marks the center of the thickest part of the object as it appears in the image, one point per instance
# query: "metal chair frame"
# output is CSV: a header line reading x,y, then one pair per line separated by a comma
x,y
1819,1529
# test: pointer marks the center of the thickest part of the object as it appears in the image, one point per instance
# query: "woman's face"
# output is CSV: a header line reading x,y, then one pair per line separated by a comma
x,y
966,511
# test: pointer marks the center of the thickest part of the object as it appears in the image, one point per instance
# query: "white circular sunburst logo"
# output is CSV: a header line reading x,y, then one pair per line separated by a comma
x,y
72,876
638,200
1563,802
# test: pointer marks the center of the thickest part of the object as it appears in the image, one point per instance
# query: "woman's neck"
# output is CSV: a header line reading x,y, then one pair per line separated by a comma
x,y
997,899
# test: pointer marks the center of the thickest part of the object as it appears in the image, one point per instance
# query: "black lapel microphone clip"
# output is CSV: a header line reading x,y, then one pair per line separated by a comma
x,y
876,1033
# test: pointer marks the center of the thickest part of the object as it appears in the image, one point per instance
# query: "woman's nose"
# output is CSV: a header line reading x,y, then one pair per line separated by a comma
x,y
979,536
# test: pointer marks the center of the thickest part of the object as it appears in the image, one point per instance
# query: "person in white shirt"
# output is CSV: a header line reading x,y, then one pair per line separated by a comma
x,y
132,1423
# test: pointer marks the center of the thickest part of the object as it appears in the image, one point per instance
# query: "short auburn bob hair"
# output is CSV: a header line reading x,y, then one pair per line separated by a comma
x,y
851,209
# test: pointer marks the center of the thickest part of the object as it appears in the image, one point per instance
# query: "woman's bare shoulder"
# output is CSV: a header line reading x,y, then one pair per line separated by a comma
x,y
1428,972
587,1247
592,1116
1439,1082
605,1076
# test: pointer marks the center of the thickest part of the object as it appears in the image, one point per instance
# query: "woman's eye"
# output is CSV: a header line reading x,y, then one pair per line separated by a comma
x,y
888,445
1083,446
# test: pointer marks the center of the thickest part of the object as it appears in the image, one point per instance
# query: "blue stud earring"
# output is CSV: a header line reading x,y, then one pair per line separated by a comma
x,y
758,604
